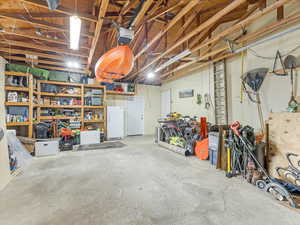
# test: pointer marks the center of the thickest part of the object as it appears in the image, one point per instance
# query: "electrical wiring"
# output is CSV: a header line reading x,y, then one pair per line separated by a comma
x,y
253,52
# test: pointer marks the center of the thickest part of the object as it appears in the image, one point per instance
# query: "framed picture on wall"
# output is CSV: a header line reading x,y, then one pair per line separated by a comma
x,y
186,93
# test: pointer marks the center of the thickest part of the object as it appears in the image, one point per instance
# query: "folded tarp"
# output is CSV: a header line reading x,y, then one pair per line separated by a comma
x,y
36,72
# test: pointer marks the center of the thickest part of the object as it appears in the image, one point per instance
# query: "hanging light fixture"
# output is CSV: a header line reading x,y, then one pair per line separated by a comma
x,y
75,27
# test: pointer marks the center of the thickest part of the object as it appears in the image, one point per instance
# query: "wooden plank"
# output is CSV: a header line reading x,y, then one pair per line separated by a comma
x,y
45,48
200,28
11,88
24,59
241,24
179,15
103,9
137,20
280,13
63,69
93,121
41,23
284,135
94,106
120,93
16,103
59,83
20,74
59,94
60,9
43,55
61,106
42,38
11,124
30,108
164,11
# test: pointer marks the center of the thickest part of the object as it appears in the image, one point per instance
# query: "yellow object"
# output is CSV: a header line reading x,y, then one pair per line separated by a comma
x,y
228,160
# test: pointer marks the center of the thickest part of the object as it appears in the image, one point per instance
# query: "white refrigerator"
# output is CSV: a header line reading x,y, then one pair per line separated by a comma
x,y
115,122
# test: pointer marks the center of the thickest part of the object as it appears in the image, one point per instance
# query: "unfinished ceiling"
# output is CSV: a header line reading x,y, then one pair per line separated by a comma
x,y
163,29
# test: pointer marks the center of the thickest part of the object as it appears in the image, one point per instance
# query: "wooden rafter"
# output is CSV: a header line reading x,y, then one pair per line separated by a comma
x,y
44,48
60,9
137,20
39,54
40,23
42,38
103,9
200,28
184,11
63,69
24,59
249,37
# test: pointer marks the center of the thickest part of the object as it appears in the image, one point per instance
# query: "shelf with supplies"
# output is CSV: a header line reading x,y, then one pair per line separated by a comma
x,y
62,100
19,101
45,101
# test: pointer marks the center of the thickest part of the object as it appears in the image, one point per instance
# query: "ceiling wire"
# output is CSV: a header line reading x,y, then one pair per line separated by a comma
x,y
253,52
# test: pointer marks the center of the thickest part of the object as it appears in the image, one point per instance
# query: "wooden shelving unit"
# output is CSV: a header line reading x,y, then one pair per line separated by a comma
x,y
82,107
120,93
29,104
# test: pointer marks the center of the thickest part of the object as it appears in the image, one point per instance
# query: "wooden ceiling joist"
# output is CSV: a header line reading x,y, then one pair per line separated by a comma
x,y
183,12
39,54
41,23
42,38
103,9
44,48
63,69
249,37
137,20
200,28
60,9
24,59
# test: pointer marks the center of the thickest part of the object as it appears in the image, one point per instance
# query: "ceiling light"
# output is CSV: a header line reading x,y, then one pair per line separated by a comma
x,y
72,64
75,26
174,59
150,75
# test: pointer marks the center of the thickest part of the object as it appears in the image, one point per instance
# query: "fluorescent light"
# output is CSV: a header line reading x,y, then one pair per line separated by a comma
x,y
72,64
75,26
150,75
174,59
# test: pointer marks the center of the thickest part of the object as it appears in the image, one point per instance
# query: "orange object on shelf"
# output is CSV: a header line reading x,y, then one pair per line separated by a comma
x,y
201,149
114,64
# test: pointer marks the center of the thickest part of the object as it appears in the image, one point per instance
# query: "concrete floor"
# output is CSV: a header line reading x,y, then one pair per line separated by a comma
x,y
140,184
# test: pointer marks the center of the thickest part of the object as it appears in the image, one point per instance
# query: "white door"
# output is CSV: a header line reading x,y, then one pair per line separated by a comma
x,y
115,122
135,115
165,103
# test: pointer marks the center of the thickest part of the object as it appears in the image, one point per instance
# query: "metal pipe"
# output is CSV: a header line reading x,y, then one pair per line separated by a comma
x,y
274,36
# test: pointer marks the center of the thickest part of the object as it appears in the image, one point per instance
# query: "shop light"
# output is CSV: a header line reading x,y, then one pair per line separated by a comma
x,y
73,64
75,27
150,75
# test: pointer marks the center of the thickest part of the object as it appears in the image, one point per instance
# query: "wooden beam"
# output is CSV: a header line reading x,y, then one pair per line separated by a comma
x,y
200,28
42,55
280,13
249,37
40,23
24,59
60,9
63,69
184,11
103,9
42,38
163,11
137,20
44,48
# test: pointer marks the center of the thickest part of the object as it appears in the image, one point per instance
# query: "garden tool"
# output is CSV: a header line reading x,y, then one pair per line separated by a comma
x,y
268,184
291,63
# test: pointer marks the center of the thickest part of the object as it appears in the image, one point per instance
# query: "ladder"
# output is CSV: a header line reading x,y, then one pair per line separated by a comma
x,y
220,91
